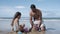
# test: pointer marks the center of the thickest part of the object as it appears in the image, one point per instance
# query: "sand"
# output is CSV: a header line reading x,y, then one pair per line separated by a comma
x,y
36,32
52,26
32,32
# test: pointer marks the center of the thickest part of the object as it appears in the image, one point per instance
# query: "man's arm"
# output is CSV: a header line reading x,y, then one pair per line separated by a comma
x,y
31,22
40,18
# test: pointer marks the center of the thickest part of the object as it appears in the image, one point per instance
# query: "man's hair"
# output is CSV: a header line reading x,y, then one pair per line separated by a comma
x,y
33,6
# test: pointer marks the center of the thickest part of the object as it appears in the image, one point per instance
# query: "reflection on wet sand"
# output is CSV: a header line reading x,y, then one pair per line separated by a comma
x,y
36,32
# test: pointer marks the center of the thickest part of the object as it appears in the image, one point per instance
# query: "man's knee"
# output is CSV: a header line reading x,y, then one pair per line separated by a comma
x,y
43,28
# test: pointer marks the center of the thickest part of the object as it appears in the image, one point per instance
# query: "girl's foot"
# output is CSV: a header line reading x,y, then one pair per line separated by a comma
x,y
16,30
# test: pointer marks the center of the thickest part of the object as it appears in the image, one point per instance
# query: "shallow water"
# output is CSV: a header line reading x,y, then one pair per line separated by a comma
x,y
52,25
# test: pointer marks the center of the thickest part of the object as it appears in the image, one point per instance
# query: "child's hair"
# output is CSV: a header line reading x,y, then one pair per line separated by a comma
x,y
16,15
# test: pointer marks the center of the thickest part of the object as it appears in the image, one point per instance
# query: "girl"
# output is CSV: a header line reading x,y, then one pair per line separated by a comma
x,y
15,22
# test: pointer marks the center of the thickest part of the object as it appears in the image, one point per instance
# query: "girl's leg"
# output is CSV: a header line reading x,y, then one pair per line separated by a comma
x,y
17,28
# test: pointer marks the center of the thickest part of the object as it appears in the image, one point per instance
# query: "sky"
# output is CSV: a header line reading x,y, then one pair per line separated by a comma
x,y
49,8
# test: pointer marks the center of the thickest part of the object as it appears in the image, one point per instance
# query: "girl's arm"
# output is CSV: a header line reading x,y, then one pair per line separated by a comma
x,y
18,23
12,23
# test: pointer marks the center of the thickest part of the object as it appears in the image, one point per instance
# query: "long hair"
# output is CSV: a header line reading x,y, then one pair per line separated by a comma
x,y
16,15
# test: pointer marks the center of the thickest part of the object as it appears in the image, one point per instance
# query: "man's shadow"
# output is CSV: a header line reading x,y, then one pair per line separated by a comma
x,y
50,29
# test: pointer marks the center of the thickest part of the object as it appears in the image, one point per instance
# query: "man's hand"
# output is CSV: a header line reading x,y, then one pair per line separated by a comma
x,y
40,23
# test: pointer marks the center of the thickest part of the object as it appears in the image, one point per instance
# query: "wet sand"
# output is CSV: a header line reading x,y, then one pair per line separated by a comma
x,y
35,32
48,31
52,27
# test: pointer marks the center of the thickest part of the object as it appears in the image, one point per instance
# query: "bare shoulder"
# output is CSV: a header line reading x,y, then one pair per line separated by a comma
x,y
38,10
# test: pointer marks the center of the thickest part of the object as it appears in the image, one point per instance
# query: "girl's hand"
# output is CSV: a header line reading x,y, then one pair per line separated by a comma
x,y
11,24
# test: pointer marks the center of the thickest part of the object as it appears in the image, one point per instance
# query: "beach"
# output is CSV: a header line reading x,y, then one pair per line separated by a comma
x,y
52,26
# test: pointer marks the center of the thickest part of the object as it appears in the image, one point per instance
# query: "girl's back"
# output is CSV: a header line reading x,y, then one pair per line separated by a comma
x,y
16,21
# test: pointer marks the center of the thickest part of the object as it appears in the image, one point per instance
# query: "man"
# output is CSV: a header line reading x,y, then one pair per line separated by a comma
x,y
36,15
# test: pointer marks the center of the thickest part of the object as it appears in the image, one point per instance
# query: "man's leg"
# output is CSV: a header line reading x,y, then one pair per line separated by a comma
x,y
43,28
